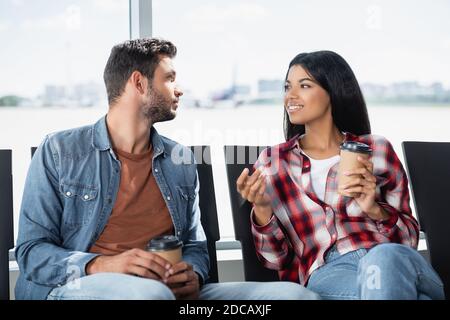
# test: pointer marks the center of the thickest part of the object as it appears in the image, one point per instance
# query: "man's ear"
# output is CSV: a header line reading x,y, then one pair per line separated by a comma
x,y
138,81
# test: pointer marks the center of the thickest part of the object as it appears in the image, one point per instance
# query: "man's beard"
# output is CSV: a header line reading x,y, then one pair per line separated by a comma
x,y
158,108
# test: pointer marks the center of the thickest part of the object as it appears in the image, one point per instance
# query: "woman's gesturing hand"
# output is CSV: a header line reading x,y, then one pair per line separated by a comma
x,y
253,189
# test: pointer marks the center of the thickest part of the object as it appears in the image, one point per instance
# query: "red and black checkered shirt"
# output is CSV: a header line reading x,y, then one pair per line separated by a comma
x,y
303,227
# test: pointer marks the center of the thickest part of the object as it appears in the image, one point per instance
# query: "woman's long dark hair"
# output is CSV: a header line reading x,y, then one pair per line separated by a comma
x,y
333,73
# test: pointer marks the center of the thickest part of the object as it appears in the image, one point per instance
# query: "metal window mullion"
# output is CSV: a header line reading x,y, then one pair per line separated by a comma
x,y
140,15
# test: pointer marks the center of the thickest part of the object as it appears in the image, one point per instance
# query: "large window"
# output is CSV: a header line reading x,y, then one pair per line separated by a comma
x,y
233,56
232,59
51,66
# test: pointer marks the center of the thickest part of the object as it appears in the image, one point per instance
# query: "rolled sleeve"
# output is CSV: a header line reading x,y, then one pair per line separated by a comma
x,y
385,226
269,227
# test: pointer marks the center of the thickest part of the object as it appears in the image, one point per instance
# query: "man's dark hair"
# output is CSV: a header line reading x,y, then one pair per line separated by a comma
x,y
141,55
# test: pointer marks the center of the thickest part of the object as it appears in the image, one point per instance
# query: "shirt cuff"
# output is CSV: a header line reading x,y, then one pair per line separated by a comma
x,y
83,260
269,227
76,266
384,226
201,276
201,282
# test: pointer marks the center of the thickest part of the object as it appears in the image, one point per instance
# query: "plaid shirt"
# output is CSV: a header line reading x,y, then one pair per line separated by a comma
x,y
303,227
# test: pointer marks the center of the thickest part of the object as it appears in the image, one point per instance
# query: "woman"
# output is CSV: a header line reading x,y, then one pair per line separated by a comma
x,y
358,243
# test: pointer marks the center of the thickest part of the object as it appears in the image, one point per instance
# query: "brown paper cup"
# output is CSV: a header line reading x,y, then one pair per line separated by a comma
x,y
349,161
173,256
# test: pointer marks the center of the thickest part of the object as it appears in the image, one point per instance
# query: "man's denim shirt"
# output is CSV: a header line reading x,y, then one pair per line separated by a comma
x,y
69,194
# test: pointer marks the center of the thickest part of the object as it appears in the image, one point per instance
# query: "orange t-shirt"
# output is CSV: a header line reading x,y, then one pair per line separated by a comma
x,y
140,212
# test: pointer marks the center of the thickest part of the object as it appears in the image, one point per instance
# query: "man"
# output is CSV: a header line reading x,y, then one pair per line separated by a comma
x,y
96,195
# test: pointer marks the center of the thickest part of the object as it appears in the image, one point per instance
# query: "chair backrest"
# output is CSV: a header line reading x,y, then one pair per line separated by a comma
x,y
237,158
208,208
6,220
428,167
207,203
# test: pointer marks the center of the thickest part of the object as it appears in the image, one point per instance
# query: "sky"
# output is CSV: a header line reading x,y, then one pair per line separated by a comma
x,y
67,42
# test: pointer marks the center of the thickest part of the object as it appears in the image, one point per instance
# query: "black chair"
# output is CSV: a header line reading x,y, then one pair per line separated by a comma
x,y
6,220
428,167
208,206
237,158
207,203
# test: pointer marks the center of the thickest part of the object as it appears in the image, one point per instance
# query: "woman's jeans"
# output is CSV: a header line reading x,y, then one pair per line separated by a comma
x,y
387,271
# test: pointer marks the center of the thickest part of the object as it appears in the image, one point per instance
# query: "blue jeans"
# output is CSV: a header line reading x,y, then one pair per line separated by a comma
x,y
116,286
385,272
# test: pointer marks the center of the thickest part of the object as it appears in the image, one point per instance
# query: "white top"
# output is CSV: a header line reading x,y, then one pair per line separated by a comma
x,y
319,174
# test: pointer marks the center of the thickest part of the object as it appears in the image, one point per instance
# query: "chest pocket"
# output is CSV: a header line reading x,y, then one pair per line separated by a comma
x,y
79,203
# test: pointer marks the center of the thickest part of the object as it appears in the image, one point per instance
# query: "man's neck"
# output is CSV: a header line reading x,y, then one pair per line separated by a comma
x,y
129,131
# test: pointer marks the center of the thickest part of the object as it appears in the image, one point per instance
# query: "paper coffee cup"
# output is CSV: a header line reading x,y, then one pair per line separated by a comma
x,y
350,150
168,247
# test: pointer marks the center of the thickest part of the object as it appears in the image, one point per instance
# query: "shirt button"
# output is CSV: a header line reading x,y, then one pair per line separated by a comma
x,y
156,170
168,198
86,197
68,193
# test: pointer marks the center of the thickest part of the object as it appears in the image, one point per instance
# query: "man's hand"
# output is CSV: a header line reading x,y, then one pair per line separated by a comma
x,y
135,262
183,281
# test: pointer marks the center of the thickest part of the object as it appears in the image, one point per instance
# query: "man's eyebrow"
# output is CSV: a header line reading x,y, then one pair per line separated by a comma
x,y
171,73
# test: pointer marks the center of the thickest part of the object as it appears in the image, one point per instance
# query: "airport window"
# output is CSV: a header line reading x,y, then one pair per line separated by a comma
x,y
233,57
231,63
51,60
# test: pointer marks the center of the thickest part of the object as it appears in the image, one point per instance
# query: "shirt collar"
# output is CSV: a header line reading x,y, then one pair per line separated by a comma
x,y
100,137
293,143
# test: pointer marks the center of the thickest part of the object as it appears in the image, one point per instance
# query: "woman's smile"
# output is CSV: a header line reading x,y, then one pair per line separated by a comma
x,y
294,107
